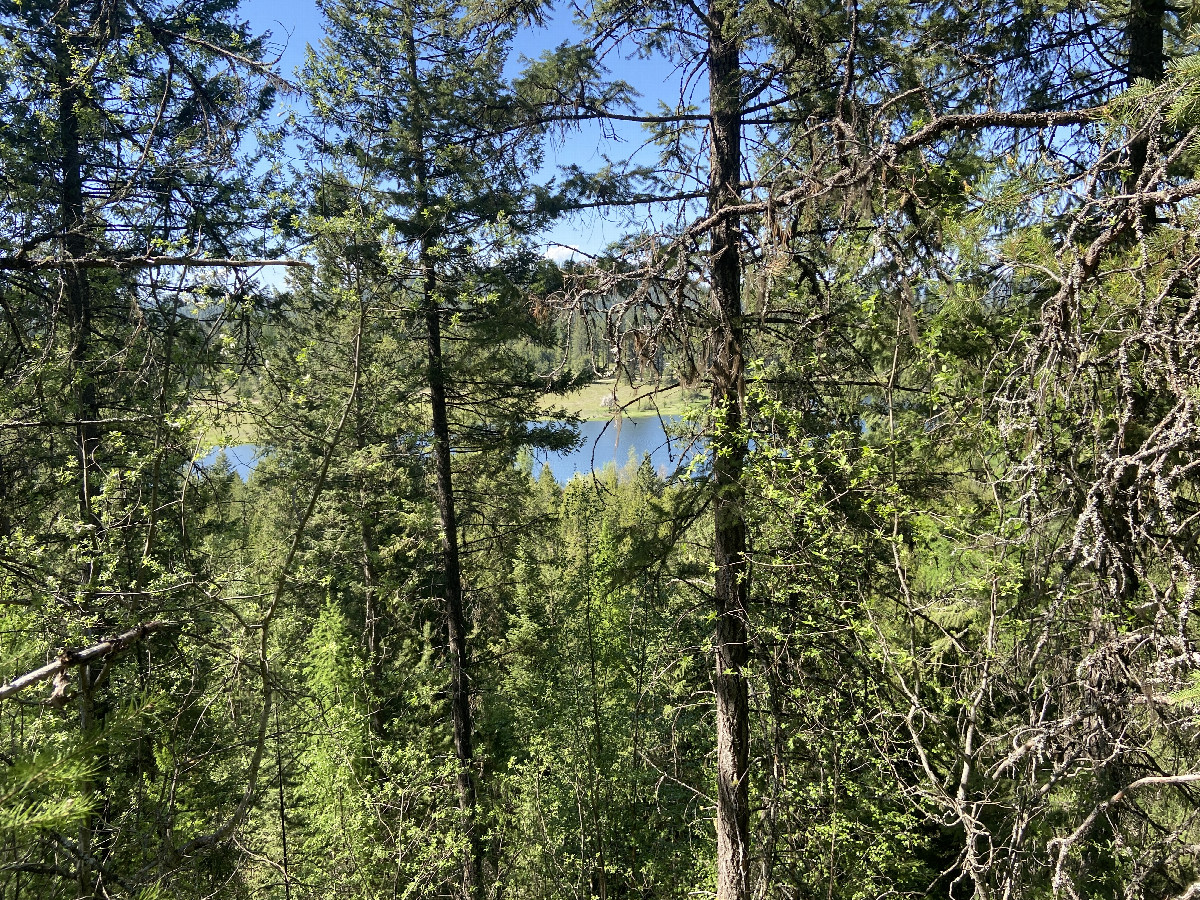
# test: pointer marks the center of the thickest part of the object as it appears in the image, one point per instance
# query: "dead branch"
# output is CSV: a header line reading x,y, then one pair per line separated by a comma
x,y
24,264
69,658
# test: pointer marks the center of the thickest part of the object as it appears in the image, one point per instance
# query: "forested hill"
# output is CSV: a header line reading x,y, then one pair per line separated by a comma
x,y
916,618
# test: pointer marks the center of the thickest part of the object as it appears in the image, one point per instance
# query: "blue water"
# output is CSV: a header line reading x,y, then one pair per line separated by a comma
x,y
242,458
603,443
620,442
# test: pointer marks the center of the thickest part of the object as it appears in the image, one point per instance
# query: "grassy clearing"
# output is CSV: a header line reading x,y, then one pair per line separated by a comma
x,y
228,432
594,402
225,423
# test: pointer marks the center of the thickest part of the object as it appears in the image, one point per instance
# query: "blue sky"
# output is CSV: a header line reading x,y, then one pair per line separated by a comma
x,y
294,25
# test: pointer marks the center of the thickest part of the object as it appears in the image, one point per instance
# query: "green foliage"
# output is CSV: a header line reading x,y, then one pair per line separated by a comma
x,y
964,455
45,792
601,768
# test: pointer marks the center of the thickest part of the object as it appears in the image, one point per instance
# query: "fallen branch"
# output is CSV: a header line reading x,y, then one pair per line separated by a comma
x,y
69,658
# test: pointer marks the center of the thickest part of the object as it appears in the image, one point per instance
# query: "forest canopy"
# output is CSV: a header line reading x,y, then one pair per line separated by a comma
x,y
913,288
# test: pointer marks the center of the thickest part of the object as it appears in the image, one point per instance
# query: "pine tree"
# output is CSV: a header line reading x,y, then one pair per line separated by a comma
x,y
123,127
410,104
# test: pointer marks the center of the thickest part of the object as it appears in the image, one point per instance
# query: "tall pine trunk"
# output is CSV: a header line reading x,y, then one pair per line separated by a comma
x,y
456,620
729,449
75,280
1147,59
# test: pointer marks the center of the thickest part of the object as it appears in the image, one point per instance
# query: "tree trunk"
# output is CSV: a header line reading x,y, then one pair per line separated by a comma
x,y
85,402
456,622
75,280
729,449
368,548
1144,33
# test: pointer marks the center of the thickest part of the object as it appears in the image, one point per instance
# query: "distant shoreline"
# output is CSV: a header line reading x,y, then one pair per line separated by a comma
x,y
593,403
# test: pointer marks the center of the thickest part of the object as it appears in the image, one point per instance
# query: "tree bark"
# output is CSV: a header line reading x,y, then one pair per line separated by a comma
x,y
75,282
456,621
368,547
1147,60
729,449
1147,57
77,292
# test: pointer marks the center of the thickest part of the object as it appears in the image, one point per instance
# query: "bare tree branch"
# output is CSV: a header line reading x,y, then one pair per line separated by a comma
x,y
21,264
69,658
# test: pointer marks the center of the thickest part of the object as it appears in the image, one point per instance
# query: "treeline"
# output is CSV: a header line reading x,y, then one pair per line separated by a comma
x,y
916,621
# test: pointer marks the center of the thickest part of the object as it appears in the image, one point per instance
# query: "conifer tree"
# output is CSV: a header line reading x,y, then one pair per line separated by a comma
x,y
820,124
410,103
765,68
128,213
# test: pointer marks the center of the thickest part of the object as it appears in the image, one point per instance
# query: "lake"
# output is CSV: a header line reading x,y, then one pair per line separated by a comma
x,y
603,442
242,458
617,442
